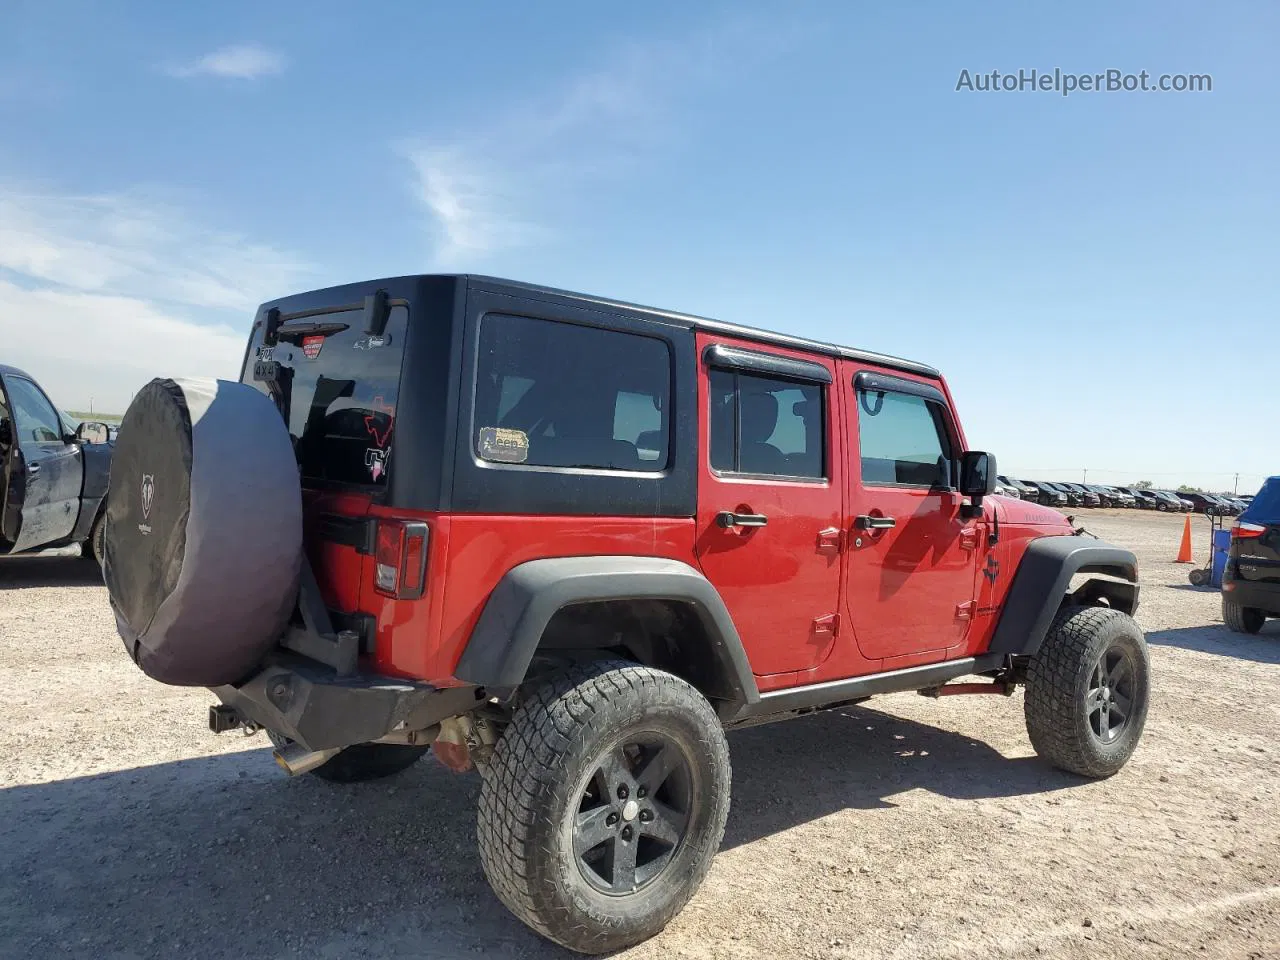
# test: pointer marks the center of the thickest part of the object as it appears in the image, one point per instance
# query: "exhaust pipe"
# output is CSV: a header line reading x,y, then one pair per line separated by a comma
x,y
296,759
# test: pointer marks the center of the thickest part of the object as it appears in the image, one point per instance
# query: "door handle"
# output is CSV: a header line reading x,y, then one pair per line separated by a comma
x,y
33,469
729,519
874,523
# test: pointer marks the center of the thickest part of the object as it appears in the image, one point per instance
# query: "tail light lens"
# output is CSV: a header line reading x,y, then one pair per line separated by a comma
x,y
400,559
1247,531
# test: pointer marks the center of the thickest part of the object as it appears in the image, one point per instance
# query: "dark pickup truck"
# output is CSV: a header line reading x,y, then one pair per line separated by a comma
x,y
53,480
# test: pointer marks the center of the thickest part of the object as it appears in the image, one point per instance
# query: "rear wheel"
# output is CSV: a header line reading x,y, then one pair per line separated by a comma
x,y
364,761
1087,691
92,548
605,802
1242,619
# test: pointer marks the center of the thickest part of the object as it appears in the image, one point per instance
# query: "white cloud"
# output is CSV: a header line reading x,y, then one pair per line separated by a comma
x,y
98,294
240,62
133,245
83,346
493,187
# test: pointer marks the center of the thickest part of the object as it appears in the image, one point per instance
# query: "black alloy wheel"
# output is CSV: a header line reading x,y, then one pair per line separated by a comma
x,y
632,814
1110,699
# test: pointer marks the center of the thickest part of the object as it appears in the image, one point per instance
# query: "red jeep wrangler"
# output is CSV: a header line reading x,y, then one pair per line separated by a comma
x,y
573,541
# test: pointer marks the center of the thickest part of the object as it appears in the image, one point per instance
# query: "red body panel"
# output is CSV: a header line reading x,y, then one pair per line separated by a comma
x,y
809,602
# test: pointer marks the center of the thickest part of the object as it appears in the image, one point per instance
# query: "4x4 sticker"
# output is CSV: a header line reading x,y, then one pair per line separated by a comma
x,y
504,445
376,460
311,346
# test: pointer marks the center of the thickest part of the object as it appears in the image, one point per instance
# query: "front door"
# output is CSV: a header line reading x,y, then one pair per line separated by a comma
x,y
770,498
47,467
912,556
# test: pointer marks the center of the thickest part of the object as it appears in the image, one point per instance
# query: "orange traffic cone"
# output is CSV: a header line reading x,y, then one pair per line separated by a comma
x,y
1184,552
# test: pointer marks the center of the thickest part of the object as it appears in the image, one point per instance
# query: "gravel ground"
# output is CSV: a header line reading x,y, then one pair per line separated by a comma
x,y
914,828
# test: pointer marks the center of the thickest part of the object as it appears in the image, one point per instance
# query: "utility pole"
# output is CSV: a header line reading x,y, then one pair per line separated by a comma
x,y
1235,487
1086,474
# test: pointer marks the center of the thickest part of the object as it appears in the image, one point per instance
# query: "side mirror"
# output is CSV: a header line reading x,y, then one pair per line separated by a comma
x,y
977,474
93,432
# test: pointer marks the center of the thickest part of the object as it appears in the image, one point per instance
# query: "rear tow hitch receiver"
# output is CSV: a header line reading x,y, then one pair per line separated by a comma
x,y
223,718
1003,687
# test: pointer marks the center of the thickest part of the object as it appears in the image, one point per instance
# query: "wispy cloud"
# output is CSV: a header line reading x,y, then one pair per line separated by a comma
x,y
104,292
495,186
247,61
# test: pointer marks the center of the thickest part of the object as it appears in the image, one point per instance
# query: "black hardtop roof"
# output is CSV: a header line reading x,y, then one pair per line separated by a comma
x,y
14,371
345,292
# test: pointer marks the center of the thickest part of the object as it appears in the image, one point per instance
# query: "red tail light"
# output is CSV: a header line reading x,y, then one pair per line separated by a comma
x,y
1247,531
400,559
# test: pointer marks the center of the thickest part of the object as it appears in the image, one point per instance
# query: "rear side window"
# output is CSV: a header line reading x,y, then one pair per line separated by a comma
x,y
553,394
1266,505
339,387
765,427
903,440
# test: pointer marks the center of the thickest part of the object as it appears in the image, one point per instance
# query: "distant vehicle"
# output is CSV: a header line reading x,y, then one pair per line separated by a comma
x,y
1208,504
1025,490
1047,495
1109,496
1123,499
1146,499
1086,496
1167,502
53,471
1005,490
1251,581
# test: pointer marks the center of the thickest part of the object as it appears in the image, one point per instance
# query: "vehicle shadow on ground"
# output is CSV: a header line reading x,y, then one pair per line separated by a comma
x,y
1263,647
17,572
224,857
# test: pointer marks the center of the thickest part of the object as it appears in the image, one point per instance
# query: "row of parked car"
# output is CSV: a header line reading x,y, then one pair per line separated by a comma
x,y
1059,494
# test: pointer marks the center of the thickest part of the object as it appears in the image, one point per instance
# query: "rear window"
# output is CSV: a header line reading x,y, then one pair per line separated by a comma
x,y
340,387
1266,505
554,394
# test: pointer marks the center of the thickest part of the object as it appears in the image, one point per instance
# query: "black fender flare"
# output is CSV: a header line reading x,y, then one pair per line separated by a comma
x,y
506,636
1042,581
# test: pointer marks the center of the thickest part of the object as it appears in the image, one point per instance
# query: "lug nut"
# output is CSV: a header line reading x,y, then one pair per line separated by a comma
x,y
646,816
611,819
622,791
626,834
641,792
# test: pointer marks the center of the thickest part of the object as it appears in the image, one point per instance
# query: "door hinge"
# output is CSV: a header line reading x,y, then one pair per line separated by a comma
x,y
964,611
969,538
831,539
826,626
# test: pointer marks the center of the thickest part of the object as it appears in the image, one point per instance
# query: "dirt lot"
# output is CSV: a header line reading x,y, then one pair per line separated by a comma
x,y
912,829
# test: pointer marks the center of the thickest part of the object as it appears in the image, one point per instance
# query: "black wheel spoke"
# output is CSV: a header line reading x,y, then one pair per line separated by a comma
x,y
667,824
592,829
624,865
1118,674
615,770
1120,706
659,766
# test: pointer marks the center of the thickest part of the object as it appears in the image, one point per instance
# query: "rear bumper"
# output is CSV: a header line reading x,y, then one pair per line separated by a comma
x,y
310,704
1251,593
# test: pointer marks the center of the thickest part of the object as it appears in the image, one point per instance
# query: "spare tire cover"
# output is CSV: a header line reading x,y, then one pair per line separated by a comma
x,y
203,532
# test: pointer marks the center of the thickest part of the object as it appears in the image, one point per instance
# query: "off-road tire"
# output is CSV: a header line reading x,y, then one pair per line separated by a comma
x,y
92,549
1241,619
364,761
1058,683
564,724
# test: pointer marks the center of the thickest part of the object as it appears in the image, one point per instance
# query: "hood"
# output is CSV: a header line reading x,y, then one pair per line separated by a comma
x,y
1030,514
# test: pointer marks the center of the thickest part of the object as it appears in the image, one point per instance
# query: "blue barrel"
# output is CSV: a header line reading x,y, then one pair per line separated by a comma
x,y
1221,544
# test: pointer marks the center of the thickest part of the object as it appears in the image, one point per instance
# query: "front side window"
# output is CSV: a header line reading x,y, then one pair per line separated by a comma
x,y
761,426
903,440
35,419
555,394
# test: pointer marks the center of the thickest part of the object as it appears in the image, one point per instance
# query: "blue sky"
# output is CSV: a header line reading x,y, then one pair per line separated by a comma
x,y
1095,274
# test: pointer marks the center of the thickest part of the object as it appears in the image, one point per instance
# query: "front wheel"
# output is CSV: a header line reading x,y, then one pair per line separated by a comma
x,y
1242,619
605,802
1087,691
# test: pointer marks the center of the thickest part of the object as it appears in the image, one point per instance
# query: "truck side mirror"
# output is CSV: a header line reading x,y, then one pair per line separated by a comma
x,y
93,432
977,474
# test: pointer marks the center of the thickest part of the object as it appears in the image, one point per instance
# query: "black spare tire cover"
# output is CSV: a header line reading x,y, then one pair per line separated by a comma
x,y
203,534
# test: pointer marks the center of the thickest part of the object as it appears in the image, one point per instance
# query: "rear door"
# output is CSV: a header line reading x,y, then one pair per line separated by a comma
x,y
48,468
770,498
912,557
